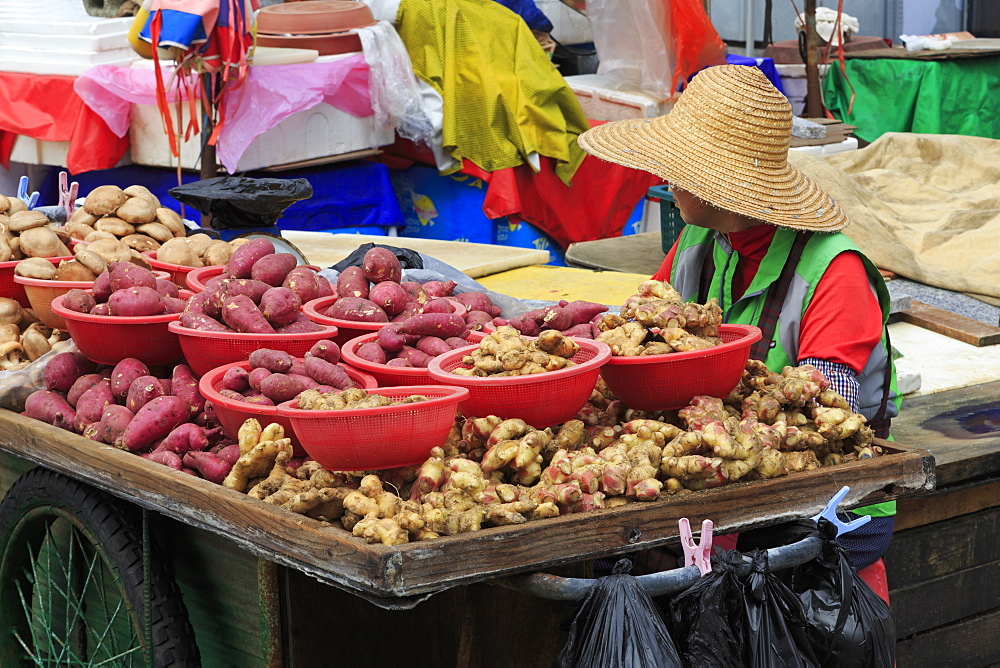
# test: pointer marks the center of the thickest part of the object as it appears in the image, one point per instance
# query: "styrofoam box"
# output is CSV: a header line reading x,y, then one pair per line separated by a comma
x,y
793,80
313,133
849,144
568,25
602,101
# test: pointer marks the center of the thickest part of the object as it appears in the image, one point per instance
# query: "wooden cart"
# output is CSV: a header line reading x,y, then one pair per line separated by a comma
x,y
265,587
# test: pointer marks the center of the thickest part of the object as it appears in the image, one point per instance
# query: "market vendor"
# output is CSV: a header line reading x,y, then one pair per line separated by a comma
x,y
765,241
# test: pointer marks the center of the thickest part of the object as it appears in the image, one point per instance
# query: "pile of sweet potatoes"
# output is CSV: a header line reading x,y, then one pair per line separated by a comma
x,y
578,318
415,341
161,417
374,292
275,376
126,289
260,292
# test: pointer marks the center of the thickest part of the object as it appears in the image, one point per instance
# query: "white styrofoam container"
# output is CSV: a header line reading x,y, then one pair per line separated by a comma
x,y
319,132
602,101
849,144
568,26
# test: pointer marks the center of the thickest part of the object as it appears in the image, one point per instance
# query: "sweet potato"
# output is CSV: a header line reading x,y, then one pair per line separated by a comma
x,y
113,421
556,317
102,287
257,376
371,352
410,308
247,287
272,269
435,324
184,386
326,373
584,311
302,281
173,304
165,457
229,453
280,306
477,301
242,260
399,362
79,301
63,370
91,405
357,309
389,296
82,384
415,291
351,282
167,288
236,379
136,301
390,339
326,289
51,407
124,275
231,394
260,400
243,316
381,264
439,305
143,390
476,319
439,288
152,422
524,324
206,302
184,438
303,325
275,361
124,373
325,350
208,465
433,346
201,322
101,309
415,357
298,366
304,381
457,342
280,387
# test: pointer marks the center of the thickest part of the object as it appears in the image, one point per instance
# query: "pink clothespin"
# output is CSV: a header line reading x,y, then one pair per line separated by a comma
x,y
67,194
699,554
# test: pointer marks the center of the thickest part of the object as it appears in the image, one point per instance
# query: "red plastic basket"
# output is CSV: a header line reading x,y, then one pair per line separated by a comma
x,y
41,293
232,414
197,278
108,339
541,399
388,376
315,310
206,350
668,382
369,439
11,288
177,272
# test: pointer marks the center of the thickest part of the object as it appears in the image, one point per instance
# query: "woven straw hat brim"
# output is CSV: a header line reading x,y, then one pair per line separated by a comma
x,y
746,171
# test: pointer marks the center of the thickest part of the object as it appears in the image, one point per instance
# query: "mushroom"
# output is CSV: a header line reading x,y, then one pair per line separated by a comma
x,y
171,220
35,342
25,220
12,356
158,231
143,192
10,311
41,242
137,211
92,261
103,200
5,250
140,242
4,203
82,217
115,226
9,332
35,267
71,270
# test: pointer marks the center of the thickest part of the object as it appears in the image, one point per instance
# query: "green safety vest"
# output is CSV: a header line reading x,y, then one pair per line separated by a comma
x,y
686,275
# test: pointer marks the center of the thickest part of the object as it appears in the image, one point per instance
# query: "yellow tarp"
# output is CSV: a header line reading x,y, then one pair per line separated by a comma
x,y
503,97
550,283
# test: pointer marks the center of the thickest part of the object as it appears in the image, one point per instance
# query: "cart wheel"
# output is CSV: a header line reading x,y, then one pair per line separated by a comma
x,y
72,582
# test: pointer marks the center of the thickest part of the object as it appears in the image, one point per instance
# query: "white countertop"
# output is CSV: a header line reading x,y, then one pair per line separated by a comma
x,y
942,362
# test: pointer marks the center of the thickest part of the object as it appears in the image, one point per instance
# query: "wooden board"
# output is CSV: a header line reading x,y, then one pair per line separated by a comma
x,y
635,253
971,642
330,554
950,324
475,260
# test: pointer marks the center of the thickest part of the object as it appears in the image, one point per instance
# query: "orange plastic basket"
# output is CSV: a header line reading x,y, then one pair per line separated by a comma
x,y
205,351
41,293
232,414
369,439
11,288
392,375
541,399
108,339
315,310
668,382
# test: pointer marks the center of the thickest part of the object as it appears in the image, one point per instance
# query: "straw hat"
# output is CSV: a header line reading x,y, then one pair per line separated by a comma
x,y
726,142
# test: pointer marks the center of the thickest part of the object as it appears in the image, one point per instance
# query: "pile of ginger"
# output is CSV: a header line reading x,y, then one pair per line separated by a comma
x,y
495,472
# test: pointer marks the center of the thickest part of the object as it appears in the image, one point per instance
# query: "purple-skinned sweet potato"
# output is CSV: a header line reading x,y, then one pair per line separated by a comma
x,y
167,288
272,269
82,384
325,373
439,305
124,275
478,301
357,309
298,366
236,379
143,390
208,465
165,457
173,304
326,349
135,301
302,281
399,362
435,324
326,289
301,326
52,407
229,453
242,260
91,405
304,381
371,352
184,438
415,357
202,323
388,296
381,264
410,308
280,306
256,377
79,301
124,373
113,421
439,288
102,287
433,346
279,387
476,319
415,291
275,361
152,422
184,385
390,338
351,282
242,315
63,370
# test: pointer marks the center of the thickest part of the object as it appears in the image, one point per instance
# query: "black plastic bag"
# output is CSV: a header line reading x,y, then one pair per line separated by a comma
x,y
237,202
409,259
849,624
705,617
774,624
618,626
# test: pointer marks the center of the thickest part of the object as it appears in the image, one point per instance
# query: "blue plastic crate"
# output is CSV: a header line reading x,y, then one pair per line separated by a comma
x,y
634,223
525,235
449,208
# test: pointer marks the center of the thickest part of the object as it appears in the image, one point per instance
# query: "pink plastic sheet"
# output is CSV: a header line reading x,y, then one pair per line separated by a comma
x,y
271,94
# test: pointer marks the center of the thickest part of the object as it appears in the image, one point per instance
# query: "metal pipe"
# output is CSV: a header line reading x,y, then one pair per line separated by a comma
x,y
749,28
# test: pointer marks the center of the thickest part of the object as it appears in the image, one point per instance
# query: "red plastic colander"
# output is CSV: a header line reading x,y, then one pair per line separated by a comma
x,y
205,351
232,413
668,382
316,309
108,339
368,439
11,288
197,278
392,375
540,399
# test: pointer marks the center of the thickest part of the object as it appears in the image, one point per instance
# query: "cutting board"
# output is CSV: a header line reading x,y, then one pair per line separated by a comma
x,y
475,260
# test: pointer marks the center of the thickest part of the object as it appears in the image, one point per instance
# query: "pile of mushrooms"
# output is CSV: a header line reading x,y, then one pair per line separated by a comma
x,y
22,338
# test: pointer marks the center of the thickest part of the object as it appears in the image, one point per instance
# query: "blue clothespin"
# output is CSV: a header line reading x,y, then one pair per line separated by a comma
x,y
67,194
830,513
697,554
22,193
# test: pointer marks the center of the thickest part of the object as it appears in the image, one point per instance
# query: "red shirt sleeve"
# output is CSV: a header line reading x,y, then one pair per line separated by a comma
x,y
663,274
844,320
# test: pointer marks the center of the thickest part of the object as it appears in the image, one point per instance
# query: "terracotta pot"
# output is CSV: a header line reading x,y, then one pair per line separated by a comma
x,y
316,17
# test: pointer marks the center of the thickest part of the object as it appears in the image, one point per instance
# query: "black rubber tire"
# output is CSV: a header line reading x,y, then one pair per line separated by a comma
x,y
114,526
